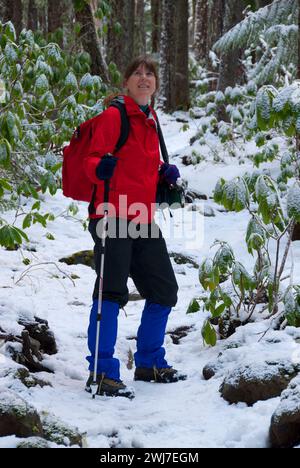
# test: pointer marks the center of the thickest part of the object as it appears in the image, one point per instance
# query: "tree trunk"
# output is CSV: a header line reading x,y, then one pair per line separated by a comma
x,y
139,29
182,95
192,23
32,16
216,9
56,11
262,3
201,32
156,24
89,39
120,44
231,71
43,17
168,57
12,11
6,10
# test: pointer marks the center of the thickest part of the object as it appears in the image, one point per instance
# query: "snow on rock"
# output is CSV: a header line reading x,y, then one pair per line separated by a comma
x,y
17,417
285,425
252,383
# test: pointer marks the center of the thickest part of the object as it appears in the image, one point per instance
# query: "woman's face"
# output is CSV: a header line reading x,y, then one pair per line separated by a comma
x,y
141,85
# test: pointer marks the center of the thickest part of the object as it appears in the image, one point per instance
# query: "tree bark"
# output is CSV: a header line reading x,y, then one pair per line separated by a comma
x,y
262,3
56,11
216,11
89,39
201,32
120,45
12,11
32,16
182,94
156,24
192,23
168,57
231,71
139,29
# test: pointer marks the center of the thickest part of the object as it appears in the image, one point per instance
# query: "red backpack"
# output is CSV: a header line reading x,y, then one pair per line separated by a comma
x,y
75,183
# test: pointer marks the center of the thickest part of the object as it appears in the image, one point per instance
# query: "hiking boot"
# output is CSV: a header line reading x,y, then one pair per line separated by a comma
x,y
109,387
163,375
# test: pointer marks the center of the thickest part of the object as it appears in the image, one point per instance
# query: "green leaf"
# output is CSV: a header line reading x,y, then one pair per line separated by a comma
x,y
193,307
36,206
10,236
27,221
50,236
218,192
5,185
38,218
209,334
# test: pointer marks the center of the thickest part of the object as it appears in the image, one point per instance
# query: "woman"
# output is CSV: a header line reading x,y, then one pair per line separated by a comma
x,y
133,173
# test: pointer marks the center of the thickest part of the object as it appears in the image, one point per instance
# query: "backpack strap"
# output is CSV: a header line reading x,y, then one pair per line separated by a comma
x,y
164,151
125,124
125,128
162,143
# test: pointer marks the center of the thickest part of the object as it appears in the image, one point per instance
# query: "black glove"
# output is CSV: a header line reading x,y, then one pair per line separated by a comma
x,y
106,167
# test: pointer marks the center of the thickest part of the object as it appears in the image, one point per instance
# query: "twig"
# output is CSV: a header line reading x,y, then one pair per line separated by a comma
x,y
44,263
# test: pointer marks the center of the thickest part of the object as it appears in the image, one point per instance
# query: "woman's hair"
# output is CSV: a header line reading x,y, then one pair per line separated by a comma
x,y
150,65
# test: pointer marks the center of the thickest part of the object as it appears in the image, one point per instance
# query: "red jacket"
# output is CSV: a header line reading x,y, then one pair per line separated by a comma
x,y
136,172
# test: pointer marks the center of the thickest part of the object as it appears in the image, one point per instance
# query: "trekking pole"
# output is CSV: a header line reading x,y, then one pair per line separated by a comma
x,y
94,385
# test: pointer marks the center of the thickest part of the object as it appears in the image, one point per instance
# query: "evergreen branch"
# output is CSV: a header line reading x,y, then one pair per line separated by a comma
x,y
248,31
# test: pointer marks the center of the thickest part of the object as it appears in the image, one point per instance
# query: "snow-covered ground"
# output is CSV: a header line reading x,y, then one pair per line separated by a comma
x,y
186,414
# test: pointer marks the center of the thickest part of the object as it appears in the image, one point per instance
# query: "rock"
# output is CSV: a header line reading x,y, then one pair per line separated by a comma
x,y
285,424
206,210
33,442
179,333
40,332
219,365
36,339
252,383
193,194
181,259
29,380
84,257
227,324
210,370
57,431
17,417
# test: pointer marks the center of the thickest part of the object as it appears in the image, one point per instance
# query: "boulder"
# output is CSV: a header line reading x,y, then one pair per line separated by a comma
x,y
285,423
17,417
33,442
59,432
252,383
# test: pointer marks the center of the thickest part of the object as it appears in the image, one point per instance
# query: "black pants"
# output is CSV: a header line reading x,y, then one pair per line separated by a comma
x,y
146,260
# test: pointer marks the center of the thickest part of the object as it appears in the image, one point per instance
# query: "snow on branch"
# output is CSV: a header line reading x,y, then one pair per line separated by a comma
x,y
248,31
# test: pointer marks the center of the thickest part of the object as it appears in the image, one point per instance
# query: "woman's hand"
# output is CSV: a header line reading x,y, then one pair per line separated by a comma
x,y
106,167
170,173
